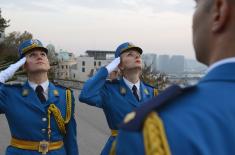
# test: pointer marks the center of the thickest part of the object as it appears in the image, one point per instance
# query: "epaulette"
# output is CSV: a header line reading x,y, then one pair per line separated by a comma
x,y
134,120
13,85
114,81
61,86
148,85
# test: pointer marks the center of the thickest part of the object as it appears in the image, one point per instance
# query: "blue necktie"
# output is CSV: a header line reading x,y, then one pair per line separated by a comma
x,y
134,89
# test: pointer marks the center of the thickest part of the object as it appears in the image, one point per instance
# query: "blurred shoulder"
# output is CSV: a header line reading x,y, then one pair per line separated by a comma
x,y
113,82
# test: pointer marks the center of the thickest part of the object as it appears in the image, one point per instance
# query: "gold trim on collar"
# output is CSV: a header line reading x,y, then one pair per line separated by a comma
x,y
56,93
123,90
146,91
25,92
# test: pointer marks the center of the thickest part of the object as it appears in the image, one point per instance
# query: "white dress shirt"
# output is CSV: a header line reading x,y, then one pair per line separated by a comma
x,y
130,85
44,86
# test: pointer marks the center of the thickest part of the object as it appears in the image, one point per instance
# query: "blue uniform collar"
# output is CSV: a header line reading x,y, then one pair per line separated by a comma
x,y
220,62
223,72
130,86
32,99
44,85
127,93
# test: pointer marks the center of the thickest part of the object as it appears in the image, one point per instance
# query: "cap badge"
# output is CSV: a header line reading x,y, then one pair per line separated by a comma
x,y
34,41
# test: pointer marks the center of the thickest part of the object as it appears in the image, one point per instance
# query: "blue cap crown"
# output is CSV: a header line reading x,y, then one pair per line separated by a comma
x,y
29,45
125,47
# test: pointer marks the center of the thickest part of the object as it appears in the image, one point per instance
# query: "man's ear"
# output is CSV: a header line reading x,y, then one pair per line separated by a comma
x,y
220,15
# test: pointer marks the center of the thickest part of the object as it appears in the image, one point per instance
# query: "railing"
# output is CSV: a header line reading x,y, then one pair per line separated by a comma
x,y
70,83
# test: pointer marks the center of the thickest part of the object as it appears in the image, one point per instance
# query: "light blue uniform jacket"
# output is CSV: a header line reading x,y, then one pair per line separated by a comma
x,y
26,118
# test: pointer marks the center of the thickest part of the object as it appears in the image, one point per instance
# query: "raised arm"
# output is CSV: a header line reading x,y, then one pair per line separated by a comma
x,y
92,92
10,71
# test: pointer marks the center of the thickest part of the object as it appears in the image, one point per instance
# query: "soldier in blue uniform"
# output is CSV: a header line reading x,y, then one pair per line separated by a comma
x,y
40,114
118,97
197,120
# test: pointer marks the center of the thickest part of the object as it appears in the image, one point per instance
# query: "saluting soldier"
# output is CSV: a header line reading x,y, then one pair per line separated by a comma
x,y
118,97
40,114
197,120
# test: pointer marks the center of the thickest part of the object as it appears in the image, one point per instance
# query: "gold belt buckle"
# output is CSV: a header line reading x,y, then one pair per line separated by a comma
x,y
43,147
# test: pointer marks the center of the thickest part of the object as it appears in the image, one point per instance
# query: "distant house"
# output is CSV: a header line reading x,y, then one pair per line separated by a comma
x,y
65,61
88,64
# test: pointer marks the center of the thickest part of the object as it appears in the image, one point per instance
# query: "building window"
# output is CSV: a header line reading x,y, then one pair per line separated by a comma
x,y
62,67
99,63
0,35
94,63
74,76
66,67
83,63
83,70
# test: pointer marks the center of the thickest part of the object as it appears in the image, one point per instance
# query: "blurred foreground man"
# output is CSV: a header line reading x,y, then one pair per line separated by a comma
x,y
198,120
40,115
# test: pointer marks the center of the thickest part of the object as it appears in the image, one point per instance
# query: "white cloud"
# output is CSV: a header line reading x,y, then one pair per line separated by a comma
x,y
79,25
52,5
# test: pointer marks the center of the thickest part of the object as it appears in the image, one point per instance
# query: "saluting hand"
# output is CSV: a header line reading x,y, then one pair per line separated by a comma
x,y
113,65
10,71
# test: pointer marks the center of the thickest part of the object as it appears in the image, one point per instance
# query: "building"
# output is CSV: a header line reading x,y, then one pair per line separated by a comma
x,y
150,60
176,64
65,61
87,65
163,63
100,55
83,69
193,66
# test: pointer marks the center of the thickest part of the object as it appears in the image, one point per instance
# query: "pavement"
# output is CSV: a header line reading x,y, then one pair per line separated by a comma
x,y
93,131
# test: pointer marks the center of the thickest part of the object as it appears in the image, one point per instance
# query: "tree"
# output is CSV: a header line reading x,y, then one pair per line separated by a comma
x,y
9,49
156,79
3,22
52,54
53,61
10,45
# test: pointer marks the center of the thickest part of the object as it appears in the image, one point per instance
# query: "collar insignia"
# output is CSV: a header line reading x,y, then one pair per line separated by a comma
x,y
146,91
56,93
25,92
123,90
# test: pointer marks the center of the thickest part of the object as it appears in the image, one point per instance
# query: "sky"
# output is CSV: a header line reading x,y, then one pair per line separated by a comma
x,y
157,26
